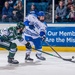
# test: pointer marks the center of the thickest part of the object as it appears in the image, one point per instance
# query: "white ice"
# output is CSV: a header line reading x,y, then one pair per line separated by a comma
x,y
52,65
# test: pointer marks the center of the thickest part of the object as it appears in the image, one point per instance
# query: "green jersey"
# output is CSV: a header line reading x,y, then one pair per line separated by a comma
x,y
10,34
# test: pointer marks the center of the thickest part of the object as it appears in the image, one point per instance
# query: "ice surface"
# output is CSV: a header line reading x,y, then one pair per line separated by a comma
x,y
52,65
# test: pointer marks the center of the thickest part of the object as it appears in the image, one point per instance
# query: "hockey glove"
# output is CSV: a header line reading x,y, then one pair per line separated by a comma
x,y
42,34
31,25
19,37
43,38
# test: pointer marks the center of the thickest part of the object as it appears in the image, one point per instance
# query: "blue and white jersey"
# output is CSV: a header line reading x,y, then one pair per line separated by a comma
x,y
38,26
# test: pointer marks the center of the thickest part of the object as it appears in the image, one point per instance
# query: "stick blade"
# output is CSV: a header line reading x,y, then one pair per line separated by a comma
x,y
67,59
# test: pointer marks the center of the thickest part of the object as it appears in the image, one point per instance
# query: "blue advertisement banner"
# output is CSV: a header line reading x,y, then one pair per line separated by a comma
x,y
60,36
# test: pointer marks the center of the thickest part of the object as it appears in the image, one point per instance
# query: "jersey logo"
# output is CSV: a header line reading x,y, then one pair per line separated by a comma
x,y
37,26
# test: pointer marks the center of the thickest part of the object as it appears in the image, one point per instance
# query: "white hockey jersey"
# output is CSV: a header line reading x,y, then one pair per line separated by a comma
x,y
38,27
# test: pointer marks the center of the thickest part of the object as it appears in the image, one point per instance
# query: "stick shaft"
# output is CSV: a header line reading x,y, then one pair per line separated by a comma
x,y
53,49
70,60
50,46
59,56
47,53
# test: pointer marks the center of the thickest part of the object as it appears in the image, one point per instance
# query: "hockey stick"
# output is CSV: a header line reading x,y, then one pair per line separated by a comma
x,y
47,53
53,55
55,50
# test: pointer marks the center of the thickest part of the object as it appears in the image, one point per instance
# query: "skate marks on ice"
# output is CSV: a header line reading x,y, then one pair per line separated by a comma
x,y
15,66
9,67
50,62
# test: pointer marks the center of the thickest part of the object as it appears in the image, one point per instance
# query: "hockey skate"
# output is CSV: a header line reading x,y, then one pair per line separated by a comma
x,y
27,58
40,57
12,61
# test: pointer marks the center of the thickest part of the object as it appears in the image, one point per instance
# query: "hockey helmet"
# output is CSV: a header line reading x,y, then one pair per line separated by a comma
x,y
41,13
20,25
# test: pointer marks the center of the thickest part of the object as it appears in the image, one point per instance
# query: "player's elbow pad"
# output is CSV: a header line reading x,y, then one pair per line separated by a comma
x,y
26,23
42,33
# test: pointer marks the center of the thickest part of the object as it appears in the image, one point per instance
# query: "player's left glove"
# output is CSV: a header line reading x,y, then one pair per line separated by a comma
x,y
43,38
19,37
42,34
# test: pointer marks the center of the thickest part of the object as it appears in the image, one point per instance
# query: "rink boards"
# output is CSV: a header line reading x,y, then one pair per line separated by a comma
x,y
60,36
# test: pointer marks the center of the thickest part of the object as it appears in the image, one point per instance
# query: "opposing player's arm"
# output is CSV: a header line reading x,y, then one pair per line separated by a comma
x,y
4,34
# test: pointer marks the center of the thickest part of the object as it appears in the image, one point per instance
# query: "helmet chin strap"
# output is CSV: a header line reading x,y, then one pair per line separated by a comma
x,y
41,20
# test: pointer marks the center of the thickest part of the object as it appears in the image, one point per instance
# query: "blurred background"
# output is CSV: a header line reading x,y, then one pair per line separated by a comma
x,y
56,10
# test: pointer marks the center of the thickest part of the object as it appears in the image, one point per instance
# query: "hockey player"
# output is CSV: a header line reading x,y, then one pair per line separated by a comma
x,y
35,32
7,35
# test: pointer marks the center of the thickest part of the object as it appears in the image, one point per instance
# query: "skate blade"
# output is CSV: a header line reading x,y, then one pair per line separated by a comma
x,y
26,61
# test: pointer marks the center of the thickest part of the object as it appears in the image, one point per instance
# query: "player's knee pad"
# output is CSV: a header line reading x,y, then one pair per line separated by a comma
x,y
13,50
